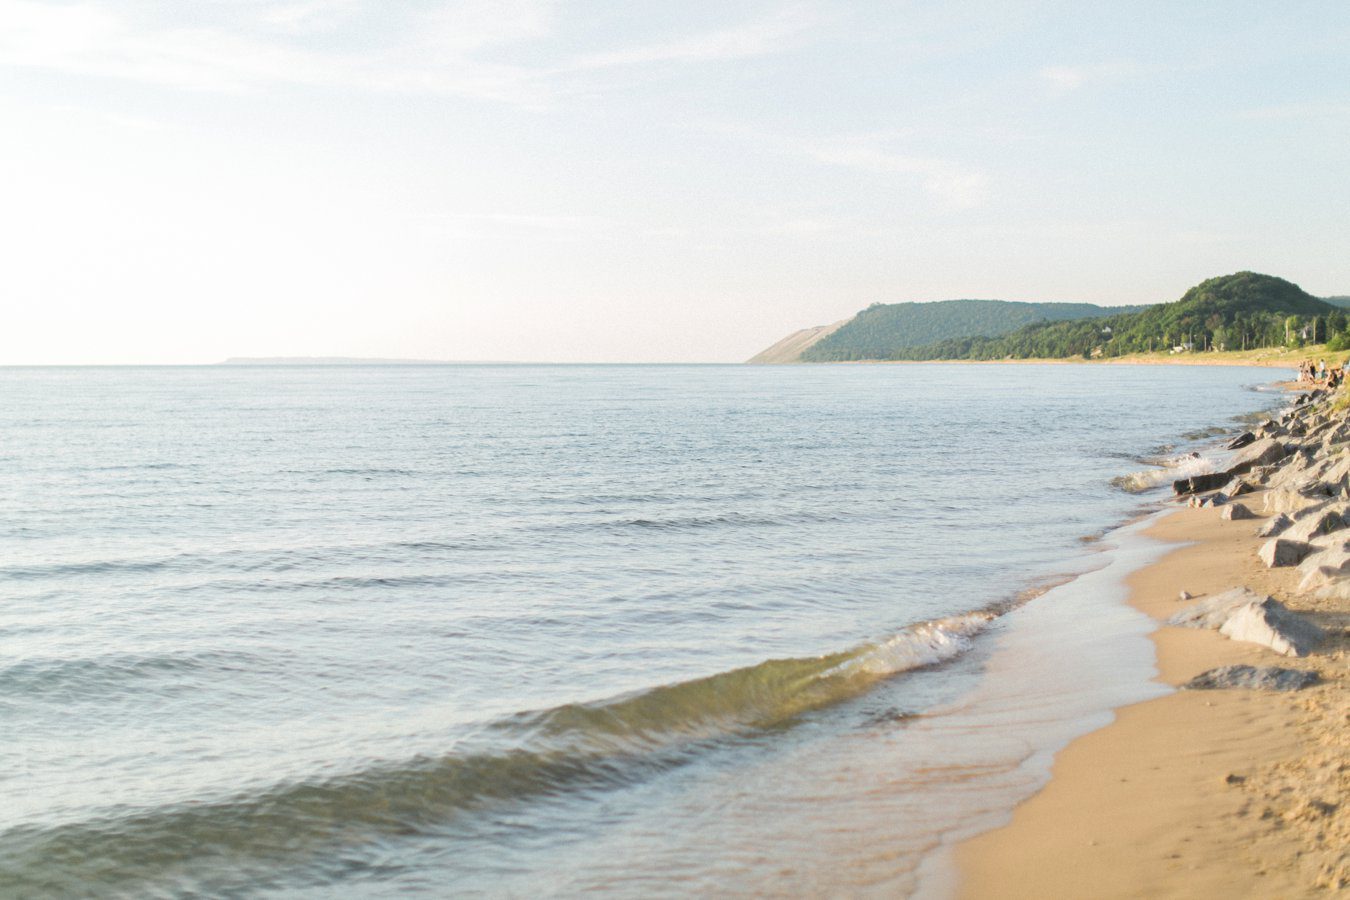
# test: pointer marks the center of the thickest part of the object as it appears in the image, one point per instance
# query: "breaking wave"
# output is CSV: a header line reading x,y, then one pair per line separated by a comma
x,y
1184,465
572,748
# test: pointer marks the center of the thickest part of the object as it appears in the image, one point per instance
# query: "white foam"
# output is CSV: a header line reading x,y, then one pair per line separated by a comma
x,y
925,644
1186,465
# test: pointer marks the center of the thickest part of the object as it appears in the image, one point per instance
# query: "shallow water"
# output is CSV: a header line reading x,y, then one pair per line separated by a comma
x,y
527,629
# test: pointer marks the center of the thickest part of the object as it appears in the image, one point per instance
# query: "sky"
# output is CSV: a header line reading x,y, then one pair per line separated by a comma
x,y
592,181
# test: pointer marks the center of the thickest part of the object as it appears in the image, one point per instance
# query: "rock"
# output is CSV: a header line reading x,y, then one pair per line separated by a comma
x,y
1321,522
1270,624
1262,453
1212,612
1213,500
1237,511
1236,488
1186,595
1274,526
1278,552
1265,678
1326,567
1198,484
1241,441
1282,500
1320,577
1244,615
1262,474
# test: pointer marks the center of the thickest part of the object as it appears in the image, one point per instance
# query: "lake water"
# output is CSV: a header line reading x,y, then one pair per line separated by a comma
x,y
531,630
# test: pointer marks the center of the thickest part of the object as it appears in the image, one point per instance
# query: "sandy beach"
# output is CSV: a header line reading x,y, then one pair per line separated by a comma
x,y
1202,793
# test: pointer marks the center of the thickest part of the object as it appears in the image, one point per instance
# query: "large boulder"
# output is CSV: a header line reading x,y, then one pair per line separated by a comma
x,y
1265,678
1270,624
1283,500
1262,453
1241,441
1243,615
1274,525
1322,522
1278,552
1198,484
1337,434
1237,511
1326,565
1212,612
1236,487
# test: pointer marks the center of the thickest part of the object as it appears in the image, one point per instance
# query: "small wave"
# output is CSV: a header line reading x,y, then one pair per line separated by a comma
x,y
99,675
93,567
571,748
1183,466
721,520
684,523
1204,434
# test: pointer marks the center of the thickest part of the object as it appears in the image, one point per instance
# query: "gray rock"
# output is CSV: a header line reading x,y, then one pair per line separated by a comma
x,y
1265,678
1198,484
1262,453
1241,441
1270,624
1274,525
1278,552
1212,612
1237,511
1319,577
1244,615
1319,523
1283,500
1236,488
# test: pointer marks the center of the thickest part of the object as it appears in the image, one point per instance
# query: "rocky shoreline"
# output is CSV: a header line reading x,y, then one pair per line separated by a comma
x,y
1237,784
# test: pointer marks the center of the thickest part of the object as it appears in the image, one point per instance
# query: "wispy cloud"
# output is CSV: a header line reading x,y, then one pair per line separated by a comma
x,y
446,49
783,30
956,185
952,183
1067,78
517,226
1298,110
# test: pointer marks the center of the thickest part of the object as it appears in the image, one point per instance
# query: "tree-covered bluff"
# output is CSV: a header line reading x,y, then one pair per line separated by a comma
x,y
1240,311
885,329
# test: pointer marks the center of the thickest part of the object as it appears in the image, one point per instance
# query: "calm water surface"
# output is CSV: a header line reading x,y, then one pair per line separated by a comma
x,y
520,630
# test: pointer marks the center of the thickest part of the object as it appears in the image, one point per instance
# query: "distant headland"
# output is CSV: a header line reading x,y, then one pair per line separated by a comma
x,y
350,361
1245,311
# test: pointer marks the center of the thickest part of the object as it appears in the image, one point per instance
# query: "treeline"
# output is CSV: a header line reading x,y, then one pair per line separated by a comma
x,y
1240,311
883,330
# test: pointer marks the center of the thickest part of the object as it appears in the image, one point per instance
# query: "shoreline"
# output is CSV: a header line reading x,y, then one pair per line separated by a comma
x,y
1198,793
1289,361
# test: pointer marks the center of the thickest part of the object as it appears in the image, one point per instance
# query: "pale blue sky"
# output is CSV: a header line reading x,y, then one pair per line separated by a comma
x,y
531,180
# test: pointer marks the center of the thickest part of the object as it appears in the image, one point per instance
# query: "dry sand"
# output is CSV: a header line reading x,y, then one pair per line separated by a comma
x,y
1228,793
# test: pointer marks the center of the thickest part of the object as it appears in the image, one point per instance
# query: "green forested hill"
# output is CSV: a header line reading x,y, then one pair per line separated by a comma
x,y
887,330
1342,301
1236,311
